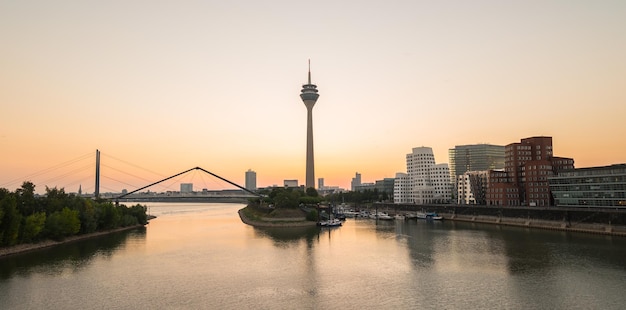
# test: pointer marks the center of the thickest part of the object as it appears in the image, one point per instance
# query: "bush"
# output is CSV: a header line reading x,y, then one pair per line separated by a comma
x,y
312,215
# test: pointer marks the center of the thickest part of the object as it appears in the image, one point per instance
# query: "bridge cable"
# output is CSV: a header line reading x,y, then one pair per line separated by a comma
x,y
178,174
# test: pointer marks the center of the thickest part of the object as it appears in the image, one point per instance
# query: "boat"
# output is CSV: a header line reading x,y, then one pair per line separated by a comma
x,y
351,213
410,216
381,216
434,216
400,217
431,216
329,223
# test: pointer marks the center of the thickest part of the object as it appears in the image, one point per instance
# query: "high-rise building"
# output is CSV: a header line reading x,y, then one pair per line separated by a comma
x,y
356,181
309,96
320,183
475,157
428,182
527,166
402,188
251,180
186,187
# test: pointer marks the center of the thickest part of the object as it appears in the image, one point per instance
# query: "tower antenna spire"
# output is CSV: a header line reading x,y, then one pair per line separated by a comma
x,y
309,96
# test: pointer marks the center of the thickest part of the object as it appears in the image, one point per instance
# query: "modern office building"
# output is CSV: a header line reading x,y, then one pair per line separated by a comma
x,y
385,185
356,181
527,166
428,182
475,157
309,96
472,188
402,188
251,180
592,187
186,187
290,183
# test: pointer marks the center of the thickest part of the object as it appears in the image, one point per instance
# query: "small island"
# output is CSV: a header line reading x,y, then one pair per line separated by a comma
x,y
283,207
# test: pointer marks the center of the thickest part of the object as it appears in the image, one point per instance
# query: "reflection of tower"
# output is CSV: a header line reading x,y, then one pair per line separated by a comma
x,y
309,97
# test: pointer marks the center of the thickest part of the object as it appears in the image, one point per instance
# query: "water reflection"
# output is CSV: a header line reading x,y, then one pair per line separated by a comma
x,y
285,236
71,257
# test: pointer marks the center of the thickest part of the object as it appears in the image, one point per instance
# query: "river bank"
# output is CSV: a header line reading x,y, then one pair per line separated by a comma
x,y
592,228
29,247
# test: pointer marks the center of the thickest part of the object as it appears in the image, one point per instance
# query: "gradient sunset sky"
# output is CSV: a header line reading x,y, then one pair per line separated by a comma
x,y
170,85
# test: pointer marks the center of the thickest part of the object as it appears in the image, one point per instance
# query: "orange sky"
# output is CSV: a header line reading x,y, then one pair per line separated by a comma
x,y
170,86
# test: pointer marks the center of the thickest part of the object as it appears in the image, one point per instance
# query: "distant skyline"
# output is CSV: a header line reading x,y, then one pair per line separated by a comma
x,y
170,86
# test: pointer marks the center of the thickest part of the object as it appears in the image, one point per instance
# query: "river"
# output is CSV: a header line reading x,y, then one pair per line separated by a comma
x,y
201,256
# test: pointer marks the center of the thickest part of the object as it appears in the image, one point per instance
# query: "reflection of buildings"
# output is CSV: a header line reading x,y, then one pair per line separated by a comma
x,y
524,181
251,180
425,181
590,187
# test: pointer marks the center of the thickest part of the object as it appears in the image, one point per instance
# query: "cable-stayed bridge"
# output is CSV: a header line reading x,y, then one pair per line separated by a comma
x,y
97,174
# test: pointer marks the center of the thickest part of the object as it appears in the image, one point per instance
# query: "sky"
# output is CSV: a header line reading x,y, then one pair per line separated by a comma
x,y
163,86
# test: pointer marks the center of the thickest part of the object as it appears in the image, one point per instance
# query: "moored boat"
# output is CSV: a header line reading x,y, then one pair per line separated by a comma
x,y
431,216
329,223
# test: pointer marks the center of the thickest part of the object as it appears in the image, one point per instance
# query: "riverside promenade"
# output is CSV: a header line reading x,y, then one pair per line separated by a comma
x,y
586,220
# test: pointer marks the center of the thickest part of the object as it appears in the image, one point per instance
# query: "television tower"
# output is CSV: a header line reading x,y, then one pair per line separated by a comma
x,y
309,97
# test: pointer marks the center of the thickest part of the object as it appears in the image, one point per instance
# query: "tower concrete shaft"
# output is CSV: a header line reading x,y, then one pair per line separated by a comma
x,y
309,96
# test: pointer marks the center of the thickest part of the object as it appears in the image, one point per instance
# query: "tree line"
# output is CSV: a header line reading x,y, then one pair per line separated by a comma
x,y
293,197
364,196
27,218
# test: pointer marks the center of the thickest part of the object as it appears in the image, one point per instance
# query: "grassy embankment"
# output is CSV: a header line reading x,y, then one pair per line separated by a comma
x,y
266,217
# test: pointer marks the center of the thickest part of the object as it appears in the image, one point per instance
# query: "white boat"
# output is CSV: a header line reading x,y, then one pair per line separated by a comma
x,y
329,223
400,217
381,216
432,216
409,216
351,213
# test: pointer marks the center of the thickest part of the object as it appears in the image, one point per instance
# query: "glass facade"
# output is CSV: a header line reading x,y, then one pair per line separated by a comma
x,y
590,187
476,157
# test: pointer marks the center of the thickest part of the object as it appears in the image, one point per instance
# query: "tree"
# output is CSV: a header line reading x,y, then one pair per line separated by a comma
x,y
56,200
10,221
287,199
26,201
311,192
33,225
61,224
88,216
108,215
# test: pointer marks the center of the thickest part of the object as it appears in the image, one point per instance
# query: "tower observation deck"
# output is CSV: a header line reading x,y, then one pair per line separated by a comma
x,y
309,96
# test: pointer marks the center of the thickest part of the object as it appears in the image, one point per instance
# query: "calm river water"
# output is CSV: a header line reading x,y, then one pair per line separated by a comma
x,y
201,256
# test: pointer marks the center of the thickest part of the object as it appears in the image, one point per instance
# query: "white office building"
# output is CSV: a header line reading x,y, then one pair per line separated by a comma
x,y
427,182
251,180
402,188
